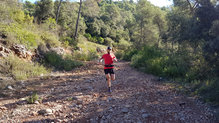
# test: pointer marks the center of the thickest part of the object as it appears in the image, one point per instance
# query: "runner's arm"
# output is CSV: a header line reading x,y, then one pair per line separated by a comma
x,y
101,59
115,59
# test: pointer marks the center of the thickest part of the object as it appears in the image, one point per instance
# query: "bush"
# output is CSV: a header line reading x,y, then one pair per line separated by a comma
x,y
100,40
50,39
158,62
122,45
88,36
21,70
82,56
18,34
33,98
70,41
58,62
94,39
108,41
128,54
210,91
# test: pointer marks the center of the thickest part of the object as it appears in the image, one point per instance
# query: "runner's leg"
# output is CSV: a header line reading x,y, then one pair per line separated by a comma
x,y
108,80
113,77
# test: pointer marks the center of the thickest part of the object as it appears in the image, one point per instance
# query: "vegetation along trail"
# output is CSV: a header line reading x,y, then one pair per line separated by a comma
x,y
81,96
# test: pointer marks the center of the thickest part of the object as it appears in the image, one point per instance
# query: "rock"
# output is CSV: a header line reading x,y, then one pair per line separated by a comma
x,y
160,79
1,48
10,88
128,106
45,112
99,50
109,99
78,48
125,110
182,104
21,51
34,113
143,111
58,50
3,108
145,115
2,54
58,107
36,102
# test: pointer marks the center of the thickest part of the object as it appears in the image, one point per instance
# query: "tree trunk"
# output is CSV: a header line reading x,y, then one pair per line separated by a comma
x,y
141,32
76,30
58,10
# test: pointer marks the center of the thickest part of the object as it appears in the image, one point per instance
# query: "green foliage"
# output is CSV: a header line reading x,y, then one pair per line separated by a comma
x,y
108,41
33,98
94,39
21,70
17,34
100,40
61,63
29,8
51,23
82,56
88,36
50,39
129,53
69,41
155,61
119,54
122,45
210,91
44,10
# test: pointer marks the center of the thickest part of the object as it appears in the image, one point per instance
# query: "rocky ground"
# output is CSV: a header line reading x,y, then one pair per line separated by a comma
x,y
81,96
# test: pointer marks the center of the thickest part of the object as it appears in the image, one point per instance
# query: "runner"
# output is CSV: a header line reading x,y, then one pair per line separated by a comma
x,y
108,67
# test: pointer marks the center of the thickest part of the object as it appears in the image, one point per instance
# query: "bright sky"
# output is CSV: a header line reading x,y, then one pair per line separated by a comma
x,y
159,3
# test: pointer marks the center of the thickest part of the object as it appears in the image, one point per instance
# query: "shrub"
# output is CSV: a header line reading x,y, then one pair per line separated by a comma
x,y
119,54
50,39
17,34
100,40
33,98
71,41
108,41
60,63
129,53
158,62
21,70
82,56
122,45
88,36
210,90
51,23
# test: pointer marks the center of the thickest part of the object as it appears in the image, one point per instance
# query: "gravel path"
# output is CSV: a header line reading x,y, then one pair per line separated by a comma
x,y
81,96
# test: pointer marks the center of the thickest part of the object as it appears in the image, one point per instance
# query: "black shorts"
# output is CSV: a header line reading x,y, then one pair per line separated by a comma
x,y
109,71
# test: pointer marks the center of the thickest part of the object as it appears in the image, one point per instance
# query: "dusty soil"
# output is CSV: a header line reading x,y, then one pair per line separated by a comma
x,y
81,96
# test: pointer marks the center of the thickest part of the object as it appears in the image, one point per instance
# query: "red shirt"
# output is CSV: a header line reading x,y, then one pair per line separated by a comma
x,y
108,59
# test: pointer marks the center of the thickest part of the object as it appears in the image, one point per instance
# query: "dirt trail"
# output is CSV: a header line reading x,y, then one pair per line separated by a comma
x,y
81,96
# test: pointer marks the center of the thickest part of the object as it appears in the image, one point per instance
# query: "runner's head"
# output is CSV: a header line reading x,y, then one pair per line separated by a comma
x,y
109,49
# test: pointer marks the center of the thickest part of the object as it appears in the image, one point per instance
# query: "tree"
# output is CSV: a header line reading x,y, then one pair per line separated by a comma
x,y
58,11
90,9
144,18
44,10
76,27
29,8
161,23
